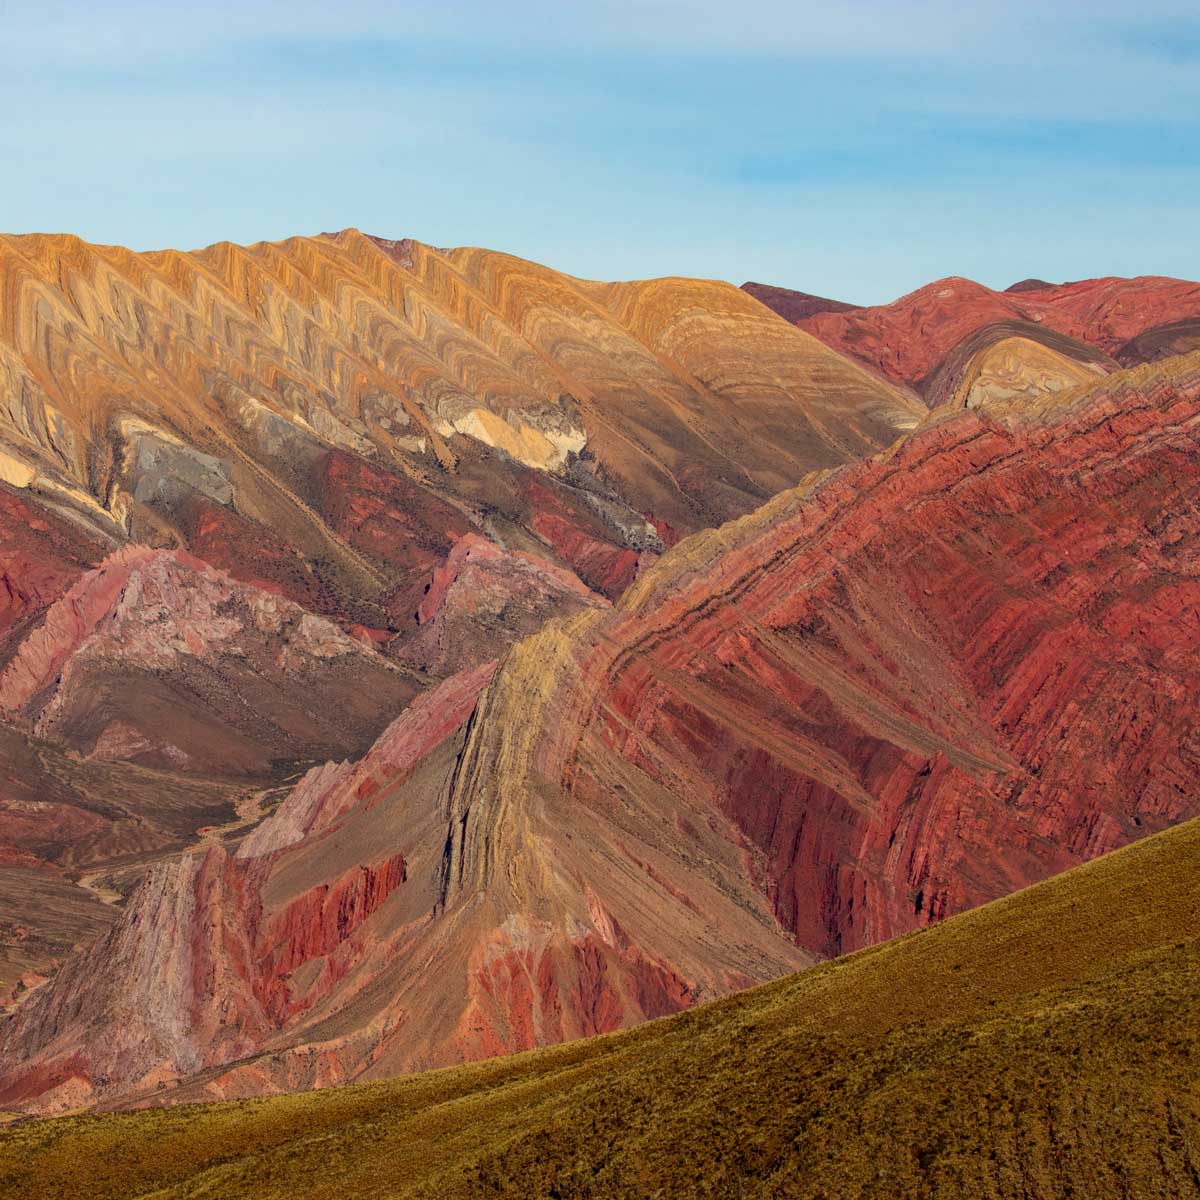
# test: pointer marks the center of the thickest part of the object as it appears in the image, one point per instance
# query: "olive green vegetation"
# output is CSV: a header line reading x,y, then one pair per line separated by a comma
x,y
1046,1045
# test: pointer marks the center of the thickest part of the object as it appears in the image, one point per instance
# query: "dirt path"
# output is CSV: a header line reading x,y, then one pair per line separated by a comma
x,y
249,809
93,881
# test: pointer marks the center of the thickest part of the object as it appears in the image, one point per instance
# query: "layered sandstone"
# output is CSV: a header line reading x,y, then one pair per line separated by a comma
x,y
1094,321
325,417
1013,368
483,599
342,427
897,691
156,657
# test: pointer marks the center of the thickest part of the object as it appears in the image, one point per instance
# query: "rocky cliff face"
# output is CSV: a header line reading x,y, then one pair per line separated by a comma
x,y
918,683
483,599
214,954
896,691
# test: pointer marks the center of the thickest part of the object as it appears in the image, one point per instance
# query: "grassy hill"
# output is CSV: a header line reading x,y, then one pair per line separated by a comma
x,y
1046,1045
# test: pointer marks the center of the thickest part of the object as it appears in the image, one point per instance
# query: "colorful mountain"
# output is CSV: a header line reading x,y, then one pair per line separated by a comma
x,y
905,688
928,339
255,500
1041,1045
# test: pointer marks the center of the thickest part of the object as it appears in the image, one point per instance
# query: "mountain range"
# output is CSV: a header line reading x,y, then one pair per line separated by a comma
x,y
412,656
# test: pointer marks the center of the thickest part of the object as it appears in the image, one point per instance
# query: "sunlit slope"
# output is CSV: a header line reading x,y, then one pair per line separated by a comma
x,y
1046,1044
688,393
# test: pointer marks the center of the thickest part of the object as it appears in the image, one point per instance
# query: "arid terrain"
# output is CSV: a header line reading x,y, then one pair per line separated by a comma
x,y
1044,1044
410,657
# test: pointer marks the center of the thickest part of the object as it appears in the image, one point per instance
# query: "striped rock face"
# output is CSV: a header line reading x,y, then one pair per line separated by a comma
x,y
929,339
256,500
325,416
900,689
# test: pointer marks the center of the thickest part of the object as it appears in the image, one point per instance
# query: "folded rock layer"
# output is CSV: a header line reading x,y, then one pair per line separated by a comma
x,y
255,499
326,416
924,340
902,689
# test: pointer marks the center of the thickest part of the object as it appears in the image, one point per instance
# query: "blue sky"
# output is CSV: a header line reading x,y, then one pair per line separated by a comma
x,y
854,149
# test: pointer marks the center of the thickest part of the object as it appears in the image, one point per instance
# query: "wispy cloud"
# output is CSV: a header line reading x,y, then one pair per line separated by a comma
x,y
845,148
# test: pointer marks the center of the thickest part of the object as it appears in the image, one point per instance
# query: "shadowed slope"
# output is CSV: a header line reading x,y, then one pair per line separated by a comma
x,y
1045,1044
794,306
157,658
73,834
1162,341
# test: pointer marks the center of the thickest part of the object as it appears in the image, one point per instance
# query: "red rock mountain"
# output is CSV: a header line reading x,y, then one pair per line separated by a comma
x,y
904,687
255,499
925,340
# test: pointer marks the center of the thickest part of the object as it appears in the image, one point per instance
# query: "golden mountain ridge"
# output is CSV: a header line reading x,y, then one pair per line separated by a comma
x,y
390,350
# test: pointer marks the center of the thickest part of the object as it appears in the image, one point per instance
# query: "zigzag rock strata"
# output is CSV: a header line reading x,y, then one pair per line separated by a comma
x,y
325,417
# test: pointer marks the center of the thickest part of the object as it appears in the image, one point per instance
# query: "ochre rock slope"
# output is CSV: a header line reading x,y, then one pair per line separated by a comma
x,y
1012,368
920,338
326,416
1045,1044
900,690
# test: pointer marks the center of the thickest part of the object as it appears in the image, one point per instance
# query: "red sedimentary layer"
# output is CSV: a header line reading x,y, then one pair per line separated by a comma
x,y
255,554
483,598
69,623
939,676
214,956
313,926
197,973
907,339
901,689
529,986
390,519
41,555
603,566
